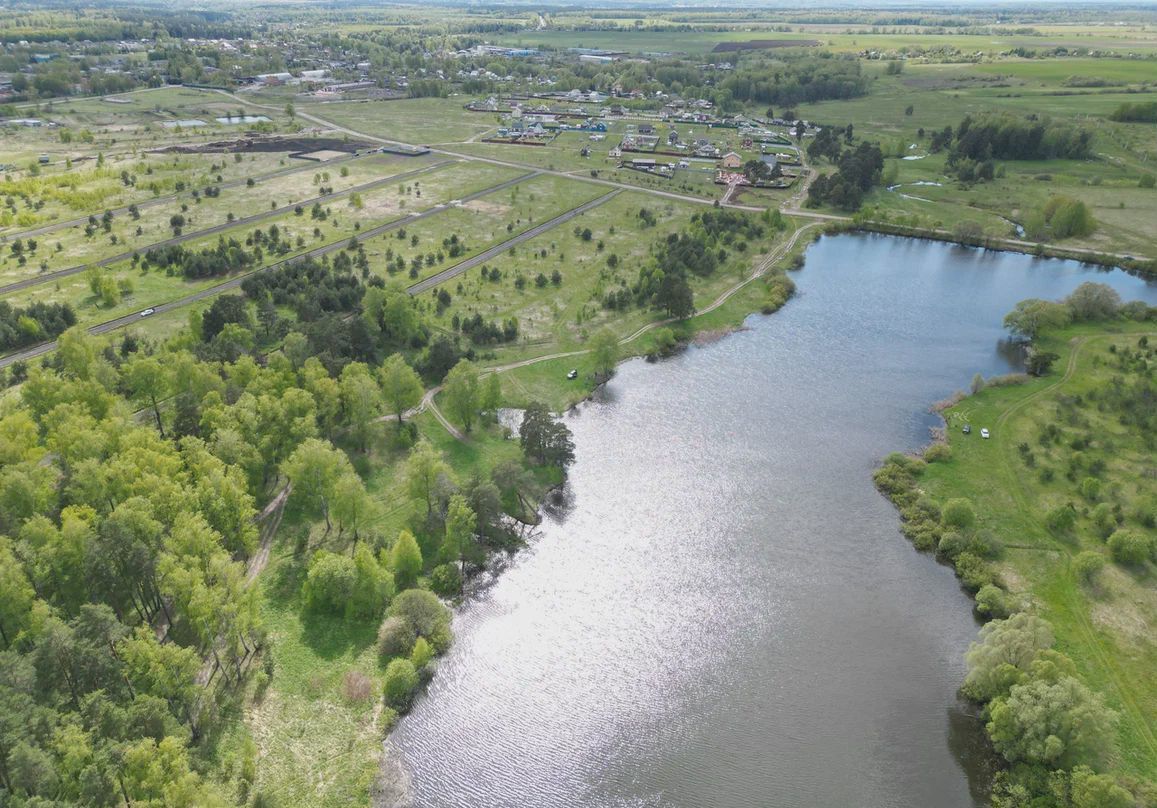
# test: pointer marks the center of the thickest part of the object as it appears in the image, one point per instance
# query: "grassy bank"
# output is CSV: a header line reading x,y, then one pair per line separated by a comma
x,y
1048,499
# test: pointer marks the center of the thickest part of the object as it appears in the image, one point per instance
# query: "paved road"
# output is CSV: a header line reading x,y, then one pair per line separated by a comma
x,y
37,280
160,200
233,283
498,249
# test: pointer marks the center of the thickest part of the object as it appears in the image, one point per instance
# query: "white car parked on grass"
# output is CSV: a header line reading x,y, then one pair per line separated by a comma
x,y
984,434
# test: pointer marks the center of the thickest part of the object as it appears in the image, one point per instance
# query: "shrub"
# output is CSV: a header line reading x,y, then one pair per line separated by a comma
x,y
952,544
1087,566
958,513
401,681
938,453
973,572
1129,547
356,686
1061,518
1090,489
395,637
425,615
993,602
1147,181
446,580
422,653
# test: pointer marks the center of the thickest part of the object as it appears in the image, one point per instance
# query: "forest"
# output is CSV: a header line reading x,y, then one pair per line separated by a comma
x,y
131,478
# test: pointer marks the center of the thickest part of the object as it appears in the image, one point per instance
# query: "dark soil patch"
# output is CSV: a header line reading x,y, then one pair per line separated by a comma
x,y
271,144
764,44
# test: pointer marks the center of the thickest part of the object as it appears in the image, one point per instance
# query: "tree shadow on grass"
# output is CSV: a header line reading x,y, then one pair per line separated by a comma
x,y
333,636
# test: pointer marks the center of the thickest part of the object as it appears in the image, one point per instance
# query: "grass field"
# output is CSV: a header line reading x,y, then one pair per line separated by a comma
x,y
1104,628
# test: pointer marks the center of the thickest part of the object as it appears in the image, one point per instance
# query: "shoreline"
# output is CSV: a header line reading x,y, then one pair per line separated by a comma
x,y
391,787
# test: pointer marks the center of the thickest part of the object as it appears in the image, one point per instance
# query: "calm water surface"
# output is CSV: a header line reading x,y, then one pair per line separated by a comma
x,y
722,611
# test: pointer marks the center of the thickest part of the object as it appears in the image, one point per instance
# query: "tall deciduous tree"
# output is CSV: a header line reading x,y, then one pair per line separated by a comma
x,y
401,386
461,389
604,353
147,380
406,560
314,468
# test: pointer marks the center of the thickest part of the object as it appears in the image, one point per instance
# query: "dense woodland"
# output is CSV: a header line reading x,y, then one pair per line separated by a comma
x,y
131,478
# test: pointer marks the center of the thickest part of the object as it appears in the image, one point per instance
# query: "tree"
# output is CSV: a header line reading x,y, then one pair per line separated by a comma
x,y
401,386
400,683
1093,301
329,584
424,468
1032,316
545,441
373,586
313,469
16,595
147,380
406,560
604,353
1040,362
1087,566
351,505
361,401
460,524
425,615
461,388
1004,654
1091,790
1058,724
490,398
675,296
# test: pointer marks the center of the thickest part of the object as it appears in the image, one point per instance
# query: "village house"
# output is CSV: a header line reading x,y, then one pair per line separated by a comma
x,y
732,160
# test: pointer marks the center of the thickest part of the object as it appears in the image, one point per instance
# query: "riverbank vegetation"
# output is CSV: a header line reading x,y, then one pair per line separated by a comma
x,y
1050,525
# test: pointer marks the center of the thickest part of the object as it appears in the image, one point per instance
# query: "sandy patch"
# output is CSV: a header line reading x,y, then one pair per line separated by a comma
x,y
323,155
487,206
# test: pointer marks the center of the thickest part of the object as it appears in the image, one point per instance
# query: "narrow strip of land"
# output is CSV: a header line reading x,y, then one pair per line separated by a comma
x,y
55,275
498,249
160,200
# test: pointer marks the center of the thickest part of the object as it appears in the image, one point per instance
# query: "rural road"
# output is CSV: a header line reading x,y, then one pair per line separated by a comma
x,y
47,277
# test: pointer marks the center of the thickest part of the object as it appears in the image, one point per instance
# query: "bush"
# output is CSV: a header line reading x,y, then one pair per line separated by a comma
x,y
1129,547
395,637
446,580
973,572
952,544
422,653
993,602
1061,518
1087,566
1147,181
425,615
401,681
958,513
938,453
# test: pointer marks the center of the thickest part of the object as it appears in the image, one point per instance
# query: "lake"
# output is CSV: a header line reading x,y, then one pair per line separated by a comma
x,y
721,610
